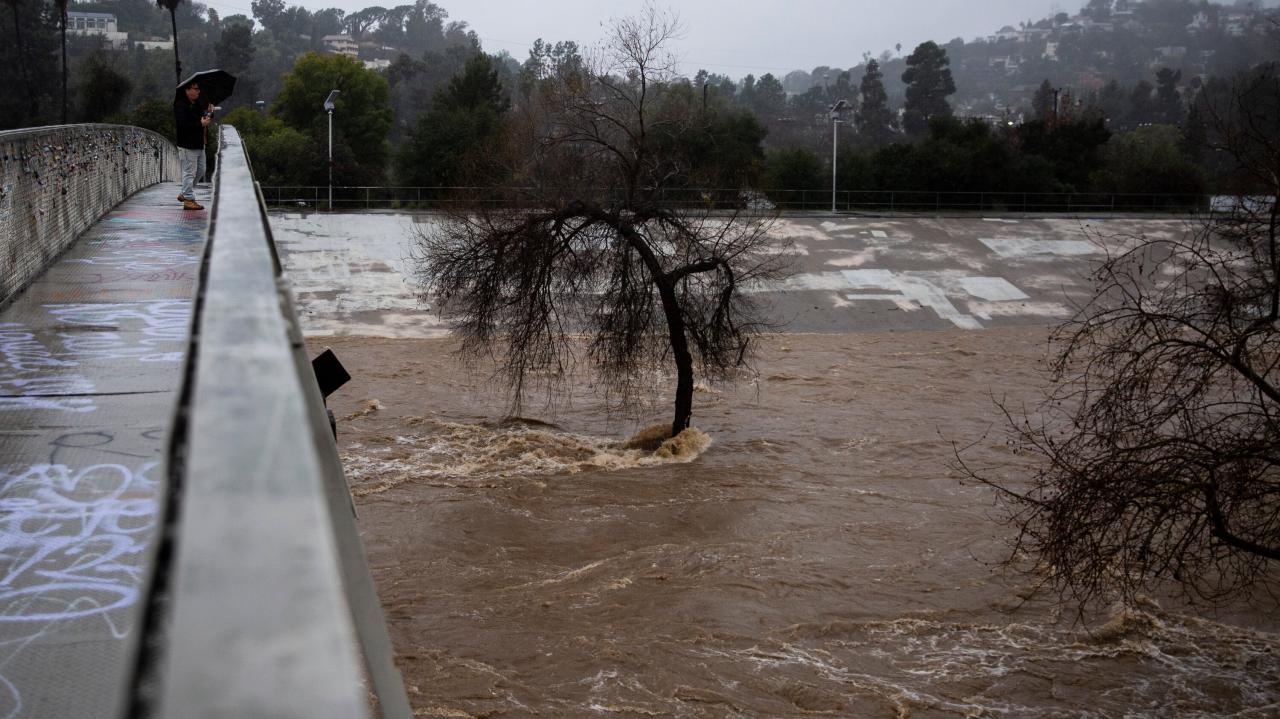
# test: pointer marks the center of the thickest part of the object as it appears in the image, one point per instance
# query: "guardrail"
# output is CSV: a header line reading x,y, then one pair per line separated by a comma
x,y
890,201
55,182
261,603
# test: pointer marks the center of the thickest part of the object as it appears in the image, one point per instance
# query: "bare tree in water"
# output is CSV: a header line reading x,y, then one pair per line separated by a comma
x,y
599,263
1159,449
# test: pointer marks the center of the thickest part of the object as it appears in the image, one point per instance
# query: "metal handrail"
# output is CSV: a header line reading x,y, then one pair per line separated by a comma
x,y
269,603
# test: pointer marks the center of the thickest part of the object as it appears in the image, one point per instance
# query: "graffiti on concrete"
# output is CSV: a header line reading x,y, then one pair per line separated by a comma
x,y
73,541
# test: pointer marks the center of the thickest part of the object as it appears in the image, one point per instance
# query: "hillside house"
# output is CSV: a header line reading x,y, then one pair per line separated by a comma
x,y
98,23
341,45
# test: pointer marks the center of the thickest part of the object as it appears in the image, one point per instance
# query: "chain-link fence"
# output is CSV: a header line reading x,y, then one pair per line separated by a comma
x,y
346,198
55,182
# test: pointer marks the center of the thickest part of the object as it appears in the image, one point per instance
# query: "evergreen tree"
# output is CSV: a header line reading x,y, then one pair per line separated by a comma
x,y
769,100
466,116
234,51
873,119
1043,102
61,6
103,89
1141,107
929,82
1168,102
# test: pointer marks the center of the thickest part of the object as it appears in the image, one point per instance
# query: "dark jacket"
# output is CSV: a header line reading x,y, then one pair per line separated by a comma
x,y
186,118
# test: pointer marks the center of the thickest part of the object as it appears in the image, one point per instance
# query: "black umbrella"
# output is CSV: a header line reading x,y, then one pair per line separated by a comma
x,y
215,85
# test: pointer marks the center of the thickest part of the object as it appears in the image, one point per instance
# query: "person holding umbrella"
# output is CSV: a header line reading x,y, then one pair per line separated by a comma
x,y
190,120
192,113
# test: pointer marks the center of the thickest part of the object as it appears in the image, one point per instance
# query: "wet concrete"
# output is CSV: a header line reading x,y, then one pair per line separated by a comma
x,y
90,355
353,273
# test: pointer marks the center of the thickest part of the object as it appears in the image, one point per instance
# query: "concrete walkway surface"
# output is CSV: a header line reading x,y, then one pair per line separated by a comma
x,y
90,357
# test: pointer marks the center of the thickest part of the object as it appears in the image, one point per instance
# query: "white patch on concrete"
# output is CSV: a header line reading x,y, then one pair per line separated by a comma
x,y
1001,220
995,296
852,258
1053,283
988,310
798,231
839,302
879,233
833,228
930,295
815,281
869,280
993,289
1028,247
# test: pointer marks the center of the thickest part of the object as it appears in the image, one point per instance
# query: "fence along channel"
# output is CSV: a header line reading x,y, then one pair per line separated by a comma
x,y
346,198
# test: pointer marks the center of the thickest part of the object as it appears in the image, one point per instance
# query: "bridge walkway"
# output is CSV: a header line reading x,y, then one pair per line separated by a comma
x,y
91,354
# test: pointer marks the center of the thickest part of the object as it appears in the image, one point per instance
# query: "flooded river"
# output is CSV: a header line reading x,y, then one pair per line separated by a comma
x,y
808,551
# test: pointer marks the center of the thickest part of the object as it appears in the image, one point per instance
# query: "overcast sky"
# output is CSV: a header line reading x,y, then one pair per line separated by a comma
x,y
734,37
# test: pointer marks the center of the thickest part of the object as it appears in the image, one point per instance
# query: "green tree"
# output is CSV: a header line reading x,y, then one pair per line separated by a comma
x,y
1148,160
1044,102
465,118
155,115
929,82
1072,147
723,148
172,7
270,13
61,6
795,177
1141,106
1168,101
1113,102
769,100
361,118
22,52
358,23
873,118
103,90
234,52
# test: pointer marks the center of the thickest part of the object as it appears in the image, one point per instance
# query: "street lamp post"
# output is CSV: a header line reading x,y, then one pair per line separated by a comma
x,y
835,134
328,107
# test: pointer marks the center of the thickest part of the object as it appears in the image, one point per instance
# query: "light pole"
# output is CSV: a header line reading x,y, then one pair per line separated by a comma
x,y
835,135
328,107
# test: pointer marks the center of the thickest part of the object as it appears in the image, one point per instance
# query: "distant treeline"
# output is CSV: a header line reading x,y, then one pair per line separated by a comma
x,y
438,104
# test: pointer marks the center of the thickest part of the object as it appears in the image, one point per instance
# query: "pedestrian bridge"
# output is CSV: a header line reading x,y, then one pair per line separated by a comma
x,y
178,539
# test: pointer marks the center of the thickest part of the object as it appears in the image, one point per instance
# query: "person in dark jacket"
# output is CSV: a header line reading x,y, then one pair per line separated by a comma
x,y
190,120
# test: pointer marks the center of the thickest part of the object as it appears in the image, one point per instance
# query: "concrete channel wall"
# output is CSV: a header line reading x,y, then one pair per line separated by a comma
x,y
262,603
55,182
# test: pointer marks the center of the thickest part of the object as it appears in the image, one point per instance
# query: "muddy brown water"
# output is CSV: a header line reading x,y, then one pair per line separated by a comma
x,y
808,552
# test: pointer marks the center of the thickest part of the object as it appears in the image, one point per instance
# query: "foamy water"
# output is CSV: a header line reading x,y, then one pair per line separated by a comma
x,y
471,454
807,551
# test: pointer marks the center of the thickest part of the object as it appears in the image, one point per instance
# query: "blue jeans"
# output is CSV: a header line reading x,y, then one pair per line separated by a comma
x,y
190,160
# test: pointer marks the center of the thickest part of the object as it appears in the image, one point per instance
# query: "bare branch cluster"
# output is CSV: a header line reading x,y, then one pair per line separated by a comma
x,y
1160,446
602,263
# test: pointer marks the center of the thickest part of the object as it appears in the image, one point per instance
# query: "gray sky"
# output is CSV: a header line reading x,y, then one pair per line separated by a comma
x,y
735,37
